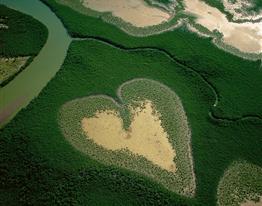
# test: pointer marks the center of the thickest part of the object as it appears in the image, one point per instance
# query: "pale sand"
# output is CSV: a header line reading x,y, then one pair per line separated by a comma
x,y
247,37
136,12
252,203
145,136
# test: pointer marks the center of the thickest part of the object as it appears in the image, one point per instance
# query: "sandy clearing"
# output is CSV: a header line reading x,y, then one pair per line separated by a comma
x,y
145,136
136,12
247,37
252,203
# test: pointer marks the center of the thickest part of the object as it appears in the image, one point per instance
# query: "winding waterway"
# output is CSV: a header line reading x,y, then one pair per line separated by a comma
x,y
28,84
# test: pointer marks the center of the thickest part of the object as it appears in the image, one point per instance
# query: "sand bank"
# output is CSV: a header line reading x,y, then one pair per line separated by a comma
x,y
247,37
136,12
252,203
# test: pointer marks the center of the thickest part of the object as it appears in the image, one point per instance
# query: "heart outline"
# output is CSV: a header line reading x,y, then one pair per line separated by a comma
x,y
183,181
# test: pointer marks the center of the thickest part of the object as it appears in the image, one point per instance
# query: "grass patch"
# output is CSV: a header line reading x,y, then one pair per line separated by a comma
x,y
25,36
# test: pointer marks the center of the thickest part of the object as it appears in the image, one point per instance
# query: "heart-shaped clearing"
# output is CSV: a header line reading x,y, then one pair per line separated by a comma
x,y
148,133
145,135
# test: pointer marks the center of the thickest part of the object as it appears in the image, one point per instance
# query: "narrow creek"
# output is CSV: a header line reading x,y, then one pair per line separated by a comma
x,y
28,84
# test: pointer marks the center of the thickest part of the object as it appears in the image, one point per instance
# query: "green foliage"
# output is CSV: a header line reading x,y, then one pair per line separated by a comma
x,y
219,5
25,36
241,182
47,166
173,119
163,1
125,26
257,6
37,164
236,80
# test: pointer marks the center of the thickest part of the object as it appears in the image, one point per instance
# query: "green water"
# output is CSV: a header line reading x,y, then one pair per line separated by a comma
x,y
27,85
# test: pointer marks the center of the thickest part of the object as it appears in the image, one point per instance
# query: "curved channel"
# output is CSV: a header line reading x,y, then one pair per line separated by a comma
x,y
28,84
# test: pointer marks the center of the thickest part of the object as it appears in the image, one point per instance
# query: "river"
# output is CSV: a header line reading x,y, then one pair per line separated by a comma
x,y
18,93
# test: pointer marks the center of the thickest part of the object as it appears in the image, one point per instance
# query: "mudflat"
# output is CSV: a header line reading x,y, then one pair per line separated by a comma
x,y
247,37
136,12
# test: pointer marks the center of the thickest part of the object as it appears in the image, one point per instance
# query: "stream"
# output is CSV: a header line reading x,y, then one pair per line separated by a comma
x,y
18,93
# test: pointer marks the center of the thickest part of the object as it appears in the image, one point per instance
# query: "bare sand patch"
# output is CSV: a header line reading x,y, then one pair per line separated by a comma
x,y
136,12
252,203
145,135
247,37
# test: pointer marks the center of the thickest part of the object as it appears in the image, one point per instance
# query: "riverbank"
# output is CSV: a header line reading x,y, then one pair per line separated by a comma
x,y
31,81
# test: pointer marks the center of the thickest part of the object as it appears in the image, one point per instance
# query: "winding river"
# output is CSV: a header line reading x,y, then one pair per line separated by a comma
x,y
28,84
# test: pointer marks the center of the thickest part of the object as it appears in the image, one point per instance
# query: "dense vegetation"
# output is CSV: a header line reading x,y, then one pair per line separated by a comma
x,y
173,119
164,1
241,182
234,79
39,167
160,1
37,163
24,36
257,6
